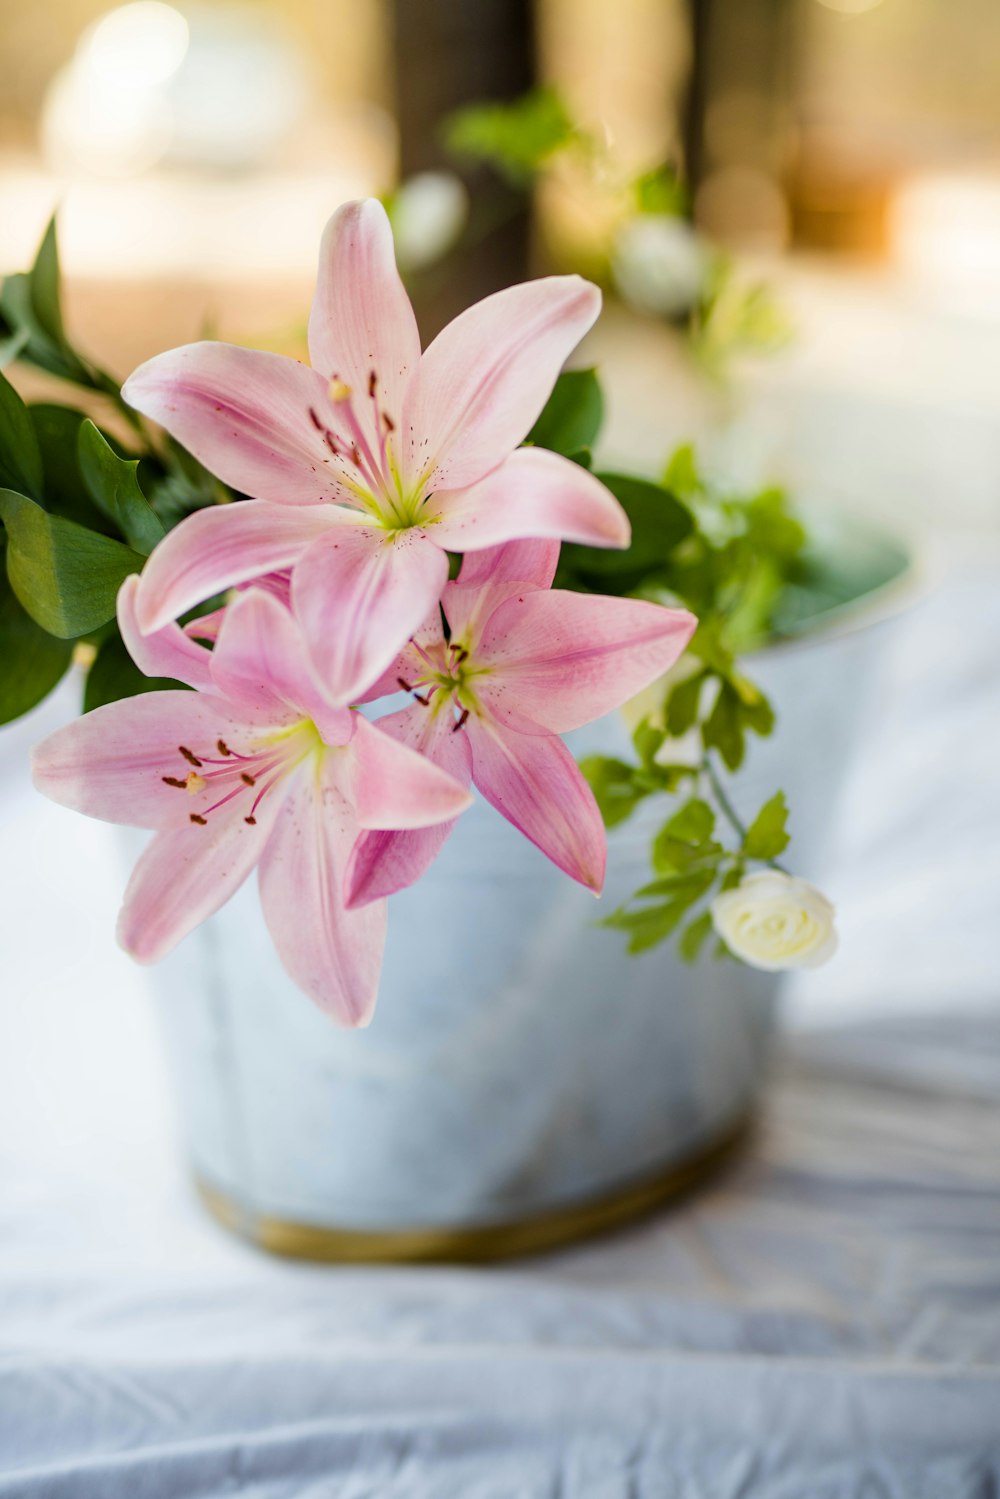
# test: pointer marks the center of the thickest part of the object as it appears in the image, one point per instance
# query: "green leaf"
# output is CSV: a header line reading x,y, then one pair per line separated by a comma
x,y
660,191
659,522
12,346
57,429
614,787
723,728
692,823
515,138
683,704
693,937
115,490
648,741
572,415
43,282
681,475
691,883
36,346
65,576
20,459
33,661
653,924
115,675
767,836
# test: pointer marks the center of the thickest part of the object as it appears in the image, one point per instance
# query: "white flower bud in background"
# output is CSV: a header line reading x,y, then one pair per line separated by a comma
x,y
773,920
427,212
659,264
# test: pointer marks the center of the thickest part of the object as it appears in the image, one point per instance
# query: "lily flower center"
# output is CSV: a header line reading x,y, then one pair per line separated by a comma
x,y
249,774
364,457
447,682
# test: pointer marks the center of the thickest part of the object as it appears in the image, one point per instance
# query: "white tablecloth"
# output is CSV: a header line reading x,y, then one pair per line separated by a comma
x,y
823,1322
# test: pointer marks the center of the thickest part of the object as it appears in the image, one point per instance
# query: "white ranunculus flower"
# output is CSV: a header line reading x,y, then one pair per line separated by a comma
x,y
773,920
659,264
427,213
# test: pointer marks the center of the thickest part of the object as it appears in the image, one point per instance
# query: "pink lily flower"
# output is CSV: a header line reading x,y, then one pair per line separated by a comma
x,y
365,469
252,769
523,664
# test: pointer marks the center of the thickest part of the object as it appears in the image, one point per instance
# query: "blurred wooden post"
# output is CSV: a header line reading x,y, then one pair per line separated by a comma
x,y
448,53
696,98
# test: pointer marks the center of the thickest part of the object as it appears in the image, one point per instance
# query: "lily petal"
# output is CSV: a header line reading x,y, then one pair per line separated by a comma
x,y
185,875
397,788
533,781
359,593
245,415
532,493
168,652
111,762
361,318
260,661
385,861
215,549
483,381
527,561
563,659
333,954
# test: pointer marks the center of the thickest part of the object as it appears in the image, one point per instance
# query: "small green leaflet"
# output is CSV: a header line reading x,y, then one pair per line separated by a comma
x,y
114,488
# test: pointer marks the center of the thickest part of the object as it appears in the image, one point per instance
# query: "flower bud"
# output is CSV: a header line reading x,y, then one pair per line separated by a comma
x,y
773,921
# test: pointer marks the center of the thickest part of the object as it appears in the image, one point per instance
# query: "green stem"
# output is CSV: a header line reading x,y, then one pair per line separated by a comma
x,y
729,811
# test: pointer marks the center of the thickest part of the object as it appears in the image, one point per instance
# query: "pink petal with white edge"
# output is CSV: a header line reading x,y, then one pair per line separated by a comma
x,y
526,561
563,659
484,380
111,762
184,876
396,788
533,781
216,549
359,594
245,415
533,493
383,862
169,652
333,954
361,317
260,662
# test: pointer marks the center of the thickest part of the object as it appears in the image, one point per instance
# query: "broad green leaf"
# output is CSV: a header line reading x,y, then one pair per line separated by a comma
x,y
20,459
572,415
65,576
115,675
115,490
767,836
678,856
33,660
57,429
43,280
693,937
12,345
648,741
694,822
613,784
691,883
659,522
683,703
36,345
723,728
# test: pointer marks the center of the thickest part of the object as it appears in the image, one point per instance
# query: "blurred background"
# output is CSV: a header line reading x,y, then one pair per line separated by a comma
x,y
845,152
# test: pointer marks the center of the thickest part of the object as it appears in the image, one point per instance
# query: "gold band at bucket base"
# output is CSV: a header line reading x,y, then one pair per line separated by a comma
x,y
494,1241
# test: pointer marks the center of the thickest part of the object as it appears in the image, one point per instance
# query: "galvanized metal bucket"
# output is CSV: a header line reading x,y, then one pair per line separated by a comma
x,y
524,1080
